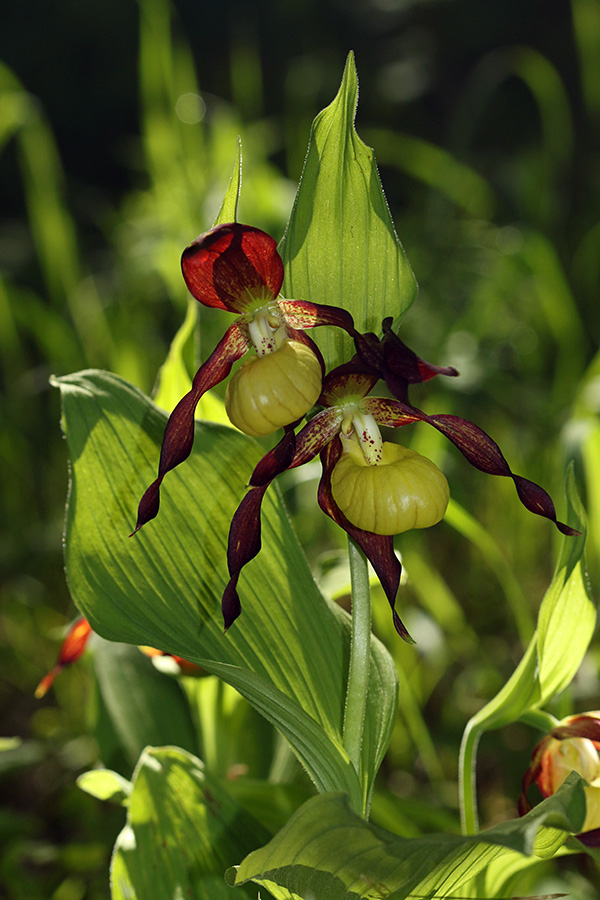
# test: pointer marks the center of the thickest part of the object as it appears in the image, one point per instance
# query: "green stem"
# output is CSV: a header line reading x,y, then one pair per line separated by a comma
x,y
360,652
467,790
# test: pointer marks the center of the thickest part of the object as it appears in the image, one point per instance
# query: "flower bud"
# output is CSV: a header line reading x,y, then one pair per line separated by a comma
x,y
273,390
403,491
562,757
573,755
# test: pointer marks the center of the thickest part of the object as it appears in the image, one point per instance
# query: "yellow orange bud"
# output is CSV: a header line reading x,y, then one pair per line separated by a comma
x,y
403,491
573,755
273,390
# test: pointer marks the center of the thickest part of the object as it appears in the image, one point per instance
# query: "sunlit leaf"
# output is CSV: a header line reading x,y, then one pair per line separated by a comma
x,y
340,246
326,851
183,830
288,652
105,785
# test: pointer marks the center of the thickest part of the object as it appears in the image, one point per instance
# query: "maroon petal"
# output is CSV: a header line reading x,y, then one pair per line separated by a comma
x,y
379,549
179,434
590,838
244,544
402,362
233,267
579,726
245,531
304,314
394,362
483,453
347,383
476,446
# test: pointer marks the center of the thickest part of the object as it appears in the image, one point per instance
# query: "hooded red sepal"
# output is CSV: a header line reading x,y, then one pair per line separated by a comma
x,y
178,438
379,549
231,266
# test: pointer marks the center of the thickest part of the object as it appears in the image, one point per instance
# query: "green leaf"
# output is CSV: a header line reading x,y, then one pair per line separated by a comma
x,y
153,708
326,851
567,616
229,206
340,246
184,820
288,652
566,622
105,785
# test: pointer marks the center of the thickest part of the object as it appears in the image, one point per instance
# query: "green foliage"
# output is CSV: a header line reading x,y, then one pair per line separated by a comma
x,y
176,806
325,850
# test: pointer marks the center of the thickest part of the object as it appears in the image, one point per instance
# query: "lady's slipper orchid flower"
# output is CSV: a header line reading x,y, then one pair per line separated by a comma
x,y
572,746
75,643
372,489
237,268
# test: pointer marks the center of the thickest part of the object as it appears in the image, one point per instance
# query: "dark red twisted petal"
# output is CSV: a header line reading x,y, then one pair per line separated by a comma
x,y
403,363
231,266
245,531
379,549
394,362
71,649
590,838
304,314
476,446
178,438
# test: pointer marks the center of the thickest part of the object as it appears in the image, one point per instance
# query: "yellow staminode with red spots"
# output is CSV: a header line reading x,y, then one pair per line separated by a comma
x,y
402,490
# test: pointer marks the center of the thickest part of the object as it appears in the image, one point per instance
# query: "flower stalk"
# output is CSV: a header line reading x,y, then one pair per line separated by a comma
x,y
360,654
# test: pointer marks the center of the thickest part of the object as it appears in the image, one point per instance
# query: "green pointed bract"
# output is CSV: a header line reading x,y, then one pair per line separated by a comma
x,y
229,206
340,247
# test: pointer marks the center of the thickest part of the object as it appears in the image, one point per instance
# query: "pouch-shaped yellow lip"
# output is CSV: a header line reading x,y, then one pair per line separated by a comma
x,y
273,390
404,491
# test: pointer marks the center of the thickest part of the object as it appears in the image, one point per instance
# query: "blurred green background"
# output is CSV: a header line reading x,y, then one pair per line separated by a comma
x,y
118,129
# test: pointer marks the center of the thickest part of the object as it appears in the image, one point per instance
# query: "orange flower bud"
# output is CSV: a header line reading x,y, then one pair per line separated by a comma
x,y
273,390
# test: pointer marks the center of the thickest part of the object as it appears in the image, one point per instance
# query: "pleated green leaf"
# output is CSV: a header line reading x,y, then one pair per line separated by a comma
x,y
326,851
567,616
183,830
288,652
340,246
566,622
